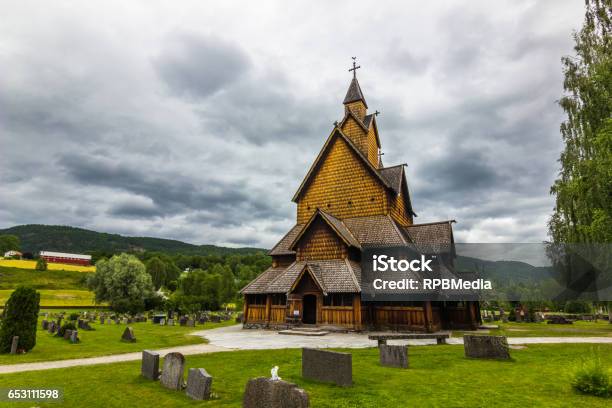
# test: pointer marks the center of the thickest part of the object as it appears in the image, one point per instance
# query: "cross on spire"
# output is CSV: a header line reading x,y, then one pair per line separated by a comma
x,y
355,67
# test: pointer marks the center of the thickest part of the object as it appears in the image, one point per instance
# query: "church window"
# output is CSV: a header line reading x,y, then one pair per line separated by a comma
x,y
338,299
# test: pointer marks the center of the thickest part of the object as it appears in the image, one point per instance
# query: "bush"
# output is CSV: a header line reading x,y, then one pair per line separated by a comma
x,y
20,319
73,316
41,264
66,326
578,307
592,378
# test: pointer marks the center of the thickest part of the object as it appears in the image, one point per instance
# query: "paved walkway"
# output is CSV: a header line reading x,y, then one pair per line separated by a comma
x,y
235,338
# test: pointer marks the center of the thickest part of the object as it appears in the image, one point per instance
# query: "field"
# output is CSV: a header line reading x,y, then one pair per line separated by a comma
x,y
58,298
105,340
438,376
601,328
26,264
11,277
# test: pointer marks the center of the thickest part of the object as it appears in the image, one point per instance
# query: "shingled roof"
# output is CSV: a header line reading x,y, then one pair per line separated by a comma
x,y
394,175
354,93
338,226
334,276
282,247
433,237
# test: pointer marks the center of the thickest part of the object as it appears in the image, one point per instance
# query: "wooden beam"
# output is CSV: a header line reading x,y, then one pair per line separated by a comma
x,y
268,307
357,311
428,317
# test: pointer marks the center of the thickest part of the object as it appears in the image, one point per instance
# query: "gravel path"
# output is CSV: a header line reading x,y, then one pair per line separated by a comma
x,y
235,338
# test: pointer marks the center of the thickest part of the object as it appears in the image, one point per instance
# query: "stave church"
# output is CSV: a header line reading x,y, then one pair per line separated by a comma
x,y
348,200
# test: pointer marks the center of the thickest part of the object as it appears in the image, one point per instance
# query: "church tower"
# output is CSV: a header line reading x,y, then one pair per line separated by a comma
x,y
347,201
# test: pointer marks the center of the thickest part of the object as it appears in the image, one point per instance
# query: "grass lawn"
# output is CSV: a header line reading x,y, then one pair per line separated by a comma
x,y
27,264
601,328
60,297
106,339
439,376
11,277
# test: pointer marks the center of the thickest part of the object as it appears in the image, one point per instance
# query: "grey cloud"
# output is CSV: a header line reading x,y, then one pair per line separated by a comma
x,y
198,66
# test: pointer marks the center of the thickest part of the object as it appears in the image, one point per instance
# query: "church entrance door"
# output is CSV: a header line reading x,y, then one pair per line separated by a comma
x,y
309,304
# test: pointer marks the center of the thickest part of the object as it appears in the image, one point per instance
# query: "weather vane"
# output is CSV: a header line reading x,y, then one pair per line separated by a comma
x,y
355,67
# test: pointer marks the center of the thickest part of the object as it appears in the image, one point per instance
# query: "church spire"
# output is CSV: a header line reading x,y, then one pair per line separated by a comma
x,y
354,99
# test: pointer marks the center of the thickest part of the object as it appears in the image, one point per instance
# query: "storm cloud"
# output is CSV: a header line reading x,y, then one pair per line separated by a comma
x,y
198,122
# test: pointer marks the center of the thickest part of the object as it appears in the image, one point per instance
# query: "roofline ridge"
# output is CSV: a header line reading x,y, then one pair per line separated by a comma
x,y
395,226
348,265
432,223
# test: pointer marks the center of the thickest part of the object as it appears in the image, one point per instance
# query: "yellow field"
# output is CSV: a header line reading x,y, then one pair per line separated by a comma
x,y
57,297
24,264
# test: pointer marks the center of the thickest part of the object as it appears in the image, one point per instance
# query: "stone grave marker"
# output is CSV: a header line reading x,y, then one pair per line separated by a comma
x,y
393,356
102,319
269,393
74,336
150,365
479,346
128,335
67,334
170,322
215,319
182,321
190,323
199,384
51,329
172,373
14,344
162,322
45,324
327,366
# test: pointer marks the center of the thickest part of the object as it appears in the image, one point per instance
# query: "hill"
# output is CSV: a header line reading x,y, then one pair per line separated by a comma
x,y
35,238
504,271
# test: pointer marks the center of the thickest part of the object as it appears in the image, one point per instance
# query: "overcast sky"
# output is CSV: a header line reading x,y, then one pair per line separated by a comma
x,y
198,120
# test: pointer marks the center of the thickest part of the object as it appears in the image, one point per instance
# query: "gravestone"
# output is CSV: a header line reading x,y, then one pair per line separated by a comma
x,y
170,322
393,356
162,322
239,317
74,336
477,346
102,319
150,365
182,321
172,373
67,334
128,335
199,384
215,319
327,366
556,319
269,393
202,319
51,329
124,320
45,324
190,323
14,344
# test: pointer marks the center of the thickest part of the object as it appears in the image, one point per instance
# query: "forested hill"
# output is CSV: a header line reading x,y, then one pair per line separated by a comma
x,y
35,238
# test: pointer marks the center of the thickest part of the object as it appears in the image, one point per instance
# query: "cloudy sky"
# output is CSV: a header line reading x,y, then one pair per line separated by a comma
x,y
197,120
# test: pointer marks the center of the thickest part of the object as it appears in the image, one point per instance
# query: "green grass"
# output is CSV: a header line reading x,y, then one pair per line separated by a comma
x,y
600,328
10,278
60,297
105,340
439,376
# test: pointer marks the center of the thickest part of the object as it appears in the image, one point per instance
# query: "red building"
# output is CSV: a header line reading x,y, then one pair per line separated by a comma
x,y
60,257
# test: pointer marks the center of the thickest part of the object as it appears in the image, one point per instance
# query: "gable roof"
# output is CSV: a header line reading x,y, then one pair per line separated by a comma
x,y
282,247
394,175
354,93
336,132
336,225
332,276
432,237
367,122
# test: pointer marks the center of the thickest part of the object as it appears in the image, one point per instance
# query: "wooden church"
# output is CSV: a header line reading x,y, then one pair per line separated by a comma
x,y
348,200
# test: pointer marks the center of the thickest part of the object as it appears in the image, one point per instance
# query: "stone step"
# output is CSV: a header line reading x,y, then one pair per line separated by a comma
x,y
294,332
306,329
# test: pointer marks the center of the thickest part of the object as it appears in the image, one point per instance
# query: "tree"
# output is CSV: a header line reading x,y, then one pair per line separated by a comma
x,y
20,319
157,269
41,264
123,282
9,243
583,211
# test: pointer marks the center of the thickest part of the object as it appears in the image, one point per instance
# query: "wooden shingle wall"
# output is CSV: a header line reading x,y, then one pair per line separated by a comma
x,y
343,187
320,242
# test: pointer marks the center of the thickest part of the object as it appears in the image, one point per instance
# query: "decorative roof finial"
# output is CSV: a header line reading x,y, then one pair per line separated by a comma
x,y
355,67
